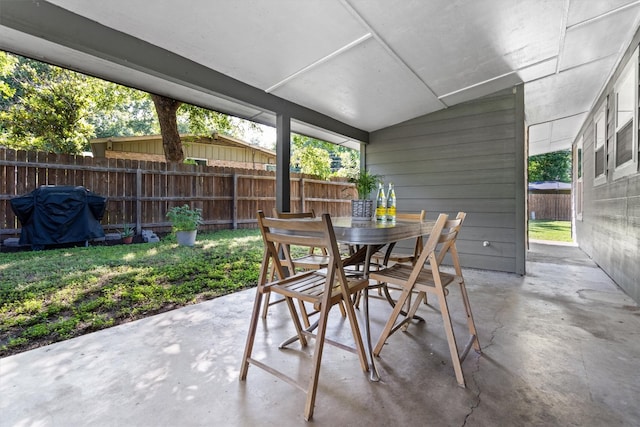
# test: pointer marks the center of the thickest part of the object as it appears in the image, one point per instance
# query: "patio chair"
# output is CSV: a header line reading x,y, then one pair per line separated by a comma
x,y
311,261
384,257
430,279
322,288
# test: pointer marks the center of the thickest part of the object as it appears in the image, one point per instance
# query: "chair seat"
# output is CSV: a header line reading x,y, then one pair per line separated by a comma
x,y
378,257
400,273
309,286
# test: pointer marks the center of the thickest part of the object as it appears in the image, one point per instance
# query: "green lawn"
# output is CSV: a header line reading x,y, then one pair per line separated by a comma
x,y
53,295
550,230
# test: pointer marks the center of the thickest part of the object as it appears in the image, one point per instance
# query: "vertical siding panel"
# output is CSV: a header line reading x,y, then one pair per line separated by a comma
x,y
469,158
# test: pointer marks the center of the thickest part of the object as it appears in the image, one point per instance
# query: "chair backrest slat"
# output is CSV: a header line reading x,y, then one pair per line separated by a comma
x,y
429,248
281,233
300,232
298,215
404,216
449,238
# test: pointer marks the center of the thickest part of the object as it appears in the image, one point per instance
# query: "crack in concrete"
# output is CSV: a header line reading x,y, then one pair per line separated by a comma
x,y
586,373
478,393
500,325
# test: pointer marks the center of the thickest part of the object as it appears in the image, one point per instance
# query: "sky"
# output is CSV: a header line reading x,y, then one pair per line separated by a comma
x,y
267,139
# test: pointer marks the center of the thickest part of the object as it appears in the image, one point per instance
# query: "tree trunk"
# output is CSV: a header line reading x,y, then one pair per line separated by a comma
x,y
166,109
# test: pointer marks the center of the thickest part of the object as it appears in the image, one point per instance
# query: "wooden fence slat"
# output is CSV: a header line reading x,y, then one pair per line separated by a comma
x,y
5,205
21,176
10,188
551,206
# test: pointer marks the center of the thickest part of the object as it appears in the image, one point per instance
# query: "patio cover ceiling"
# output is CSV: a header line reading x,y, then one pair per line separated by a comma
x,y
341,67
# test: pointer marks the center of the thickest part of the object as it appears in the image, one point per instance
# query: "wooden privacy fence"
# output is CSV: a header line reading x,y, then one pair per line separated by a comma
x,y
554,206
140,192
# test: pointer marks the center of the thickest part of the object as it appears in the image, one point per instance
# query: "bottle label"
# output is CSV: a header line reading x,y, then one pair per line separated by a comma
x,y
391,213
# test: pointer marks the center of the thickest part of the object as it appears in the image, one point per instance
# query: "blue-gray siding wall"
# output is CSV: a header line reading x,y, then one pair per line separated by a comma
x,y
469,158
609,231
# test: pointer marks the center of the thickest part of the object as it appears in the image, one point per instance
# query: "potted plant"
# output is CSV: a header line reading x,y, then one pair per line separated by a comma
x,y
185,221
365,183
127,234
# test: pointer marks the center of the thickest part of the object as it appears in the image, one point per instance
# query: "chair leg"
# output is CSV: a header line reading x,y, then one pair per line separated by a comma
x,y
317,358
356,299
355,331
342,309
265,306
470,323
303,314
451,338
411,312
389,327
248,349
296,321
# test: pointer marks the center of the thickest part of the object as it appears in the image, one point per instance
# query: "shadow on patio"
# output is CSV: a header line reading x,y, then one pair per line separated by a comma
x,y
560,347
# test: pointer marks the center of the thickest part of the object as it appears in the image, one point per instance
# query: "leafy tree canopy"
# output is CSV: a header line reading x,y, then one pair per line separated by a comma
x,y
323,159
201,121
350,164
43,107
7,65
550,167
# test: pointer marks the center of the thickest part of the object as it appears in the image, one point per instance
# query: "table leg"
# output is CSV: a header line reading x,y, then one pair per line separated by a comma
x,y
373,371
385,288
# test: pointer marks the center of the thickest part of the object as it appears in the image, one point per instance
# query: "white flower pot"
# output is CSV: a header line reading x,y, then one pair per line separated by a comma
x,y
186,238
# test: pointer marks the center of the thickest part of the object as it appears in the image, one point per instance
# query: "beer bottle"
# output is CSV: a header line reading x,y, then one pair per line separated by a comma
x,y
391,203
381,204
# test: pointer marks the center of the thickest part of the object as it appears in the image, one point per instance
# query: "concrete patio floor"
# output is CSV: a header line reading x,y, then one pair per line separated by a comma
x,y
561,346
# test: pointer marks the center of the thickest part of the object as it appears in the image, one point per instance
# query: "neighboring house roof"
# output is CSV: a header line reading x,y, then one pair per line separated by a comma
x,y
215,139
549,185
214,150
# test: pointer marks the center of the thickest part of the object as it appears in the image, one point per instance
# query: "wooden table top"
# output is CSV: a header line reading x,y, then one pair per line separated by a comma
x,y
373,232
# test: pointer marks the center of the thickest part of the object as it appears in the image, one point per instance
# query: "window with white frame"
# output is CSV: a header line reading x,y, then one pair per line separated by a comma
x,y
577,171
600,145
625,141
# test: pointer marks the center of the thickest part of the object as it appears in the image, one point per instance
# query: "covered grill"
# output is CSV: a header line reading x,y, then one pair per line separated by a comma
x,y
59,214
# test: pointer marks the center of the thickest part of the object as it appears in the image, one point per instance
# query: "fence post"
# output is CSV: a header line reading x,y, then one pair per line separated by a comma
x,y
302,202
138,200
234,208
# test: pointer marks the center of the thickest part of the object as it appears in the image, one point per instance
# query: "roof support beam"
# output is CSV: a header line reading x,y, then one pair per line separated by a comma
x,y
283,160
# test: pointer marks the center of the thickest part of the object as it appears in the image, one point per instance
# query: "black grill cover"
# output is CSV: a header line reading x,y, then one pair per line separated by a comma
x,y
59,214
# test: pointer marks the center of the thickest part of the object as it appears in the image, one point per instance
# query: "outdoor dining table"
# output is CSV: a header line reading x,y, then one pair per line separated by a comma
x,y
371,236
